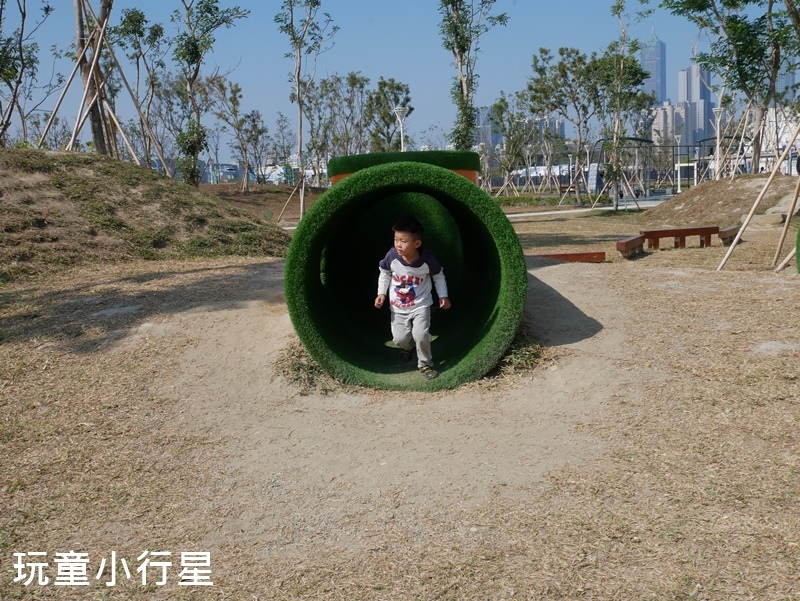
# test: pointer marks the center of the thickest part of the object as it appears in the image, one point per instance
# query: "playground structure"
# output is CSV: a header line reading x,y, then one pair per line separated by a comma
x,y
332,268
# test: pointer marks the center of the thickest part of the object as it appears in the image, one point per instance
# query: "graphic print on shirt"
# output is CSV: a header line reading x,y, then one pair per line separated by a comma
x,y
405,290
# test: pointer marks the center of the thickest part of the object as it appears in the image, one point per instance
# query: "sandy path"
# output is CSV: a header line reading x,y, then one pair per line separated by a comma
x,y
339,469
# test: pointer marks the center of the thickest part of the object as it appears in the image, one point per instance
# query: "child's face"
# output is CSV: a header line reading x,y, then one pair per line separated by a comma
x,y
406,244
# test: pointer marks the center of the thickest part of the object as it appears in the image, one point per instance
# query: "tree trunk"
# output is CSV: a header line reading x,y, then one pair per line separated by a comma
x,y
246,177
759,116
301,172
794,14
574,178
89,79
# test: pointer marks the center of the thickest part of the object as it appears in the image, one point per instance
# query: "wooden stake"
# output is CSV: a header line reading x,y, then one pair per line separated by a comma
x,y
133,98
61,98
783,265
122,133
761,195
287,201
787,222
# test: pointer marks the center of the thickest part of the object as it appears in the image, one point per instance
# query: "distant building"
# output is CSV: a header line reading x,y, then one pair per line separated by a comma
x,y
217,173
779,128
663,131
487,136
653,56
784,86
694,88
553,124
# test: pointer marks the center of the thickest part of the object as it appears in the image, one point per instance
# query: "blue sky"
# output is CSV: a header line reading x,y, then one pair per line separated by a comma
x,y
401,40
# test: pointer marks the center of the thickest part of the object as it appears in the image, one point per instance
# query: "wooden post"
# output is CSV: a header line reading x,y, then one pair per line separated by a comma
x,y
787,222
788,258
761,195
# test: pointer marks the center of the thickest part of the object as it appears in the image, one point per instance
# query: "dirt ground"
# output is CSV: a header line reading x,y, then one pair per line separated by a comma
x,y
653,453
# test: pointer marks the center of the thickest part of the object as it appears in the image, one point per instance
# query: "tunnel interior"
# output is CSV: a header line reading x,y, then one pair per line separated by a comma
x,y
332,272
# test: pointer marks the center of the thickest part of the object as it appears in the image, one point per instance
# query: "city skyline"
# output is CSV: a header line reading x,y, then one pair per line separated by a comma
x,y
379,40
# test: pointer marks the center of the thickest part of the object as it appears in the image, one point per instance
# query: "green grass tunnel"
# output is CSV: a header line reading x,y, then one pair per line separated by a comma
x,y
332,270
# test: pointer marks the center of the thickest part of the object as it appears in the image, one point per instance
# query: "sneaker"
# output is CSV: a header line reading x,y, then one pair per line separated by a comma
x,y
405,356
429,372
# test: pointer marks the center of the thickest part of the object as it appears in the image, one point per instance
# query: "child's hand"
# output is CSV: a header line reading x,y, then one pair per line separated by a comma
x,y
444,303
379,300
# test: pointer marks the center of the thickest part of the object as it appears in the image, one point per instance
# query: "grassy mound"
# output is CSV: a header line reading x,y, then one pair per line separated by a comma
x,y
61,209
332,270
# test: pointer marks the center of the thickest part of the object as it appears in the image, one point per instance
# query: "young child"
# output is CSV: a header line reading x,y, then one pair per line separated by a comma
x,y
409,272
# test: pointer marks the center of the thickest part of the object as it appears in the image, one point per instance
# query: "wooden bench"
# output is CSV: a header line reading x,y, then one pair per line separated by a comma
x,y
633,245
588,257
726,235
680,234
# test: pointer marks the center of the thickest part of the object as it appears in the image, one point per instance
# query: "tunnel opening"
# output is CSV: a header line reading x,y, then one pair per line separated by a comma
x,y
332,271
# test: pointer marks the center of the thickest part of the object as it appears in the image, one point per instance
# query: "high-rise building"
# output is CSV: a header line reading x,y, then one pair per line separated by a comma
x,y
663,130
785,85
654,60
555,125
694,88
488,136
682,117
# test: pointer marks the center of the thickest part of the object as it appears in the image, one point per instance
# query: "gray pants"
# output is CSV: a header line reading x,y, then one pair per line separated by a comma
x,y
408,328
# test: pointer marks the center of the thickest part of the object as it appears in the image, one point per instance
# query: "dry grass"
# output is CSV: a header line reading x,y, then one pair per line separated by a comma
x,y
696,498
296,366
63,209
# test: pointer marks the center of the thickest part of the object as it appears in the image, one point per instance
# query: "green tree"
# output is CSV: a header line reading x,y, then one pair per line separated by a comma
x,y
619,100
259,145
225,99
510,120
347,101
146,47
565,87
319,119
748,51
382,124
198,22
463,24
170,114
794,14
308,36
283,141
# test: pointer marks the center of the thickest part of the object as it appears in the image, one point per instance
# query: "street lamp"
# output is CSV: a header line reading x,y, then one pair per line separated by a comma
x,y
717,110
678,142
401,112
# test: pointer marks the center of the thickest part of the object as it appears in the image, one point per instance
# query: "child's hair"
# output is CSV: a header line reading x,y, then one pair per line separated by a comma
x,y
410,225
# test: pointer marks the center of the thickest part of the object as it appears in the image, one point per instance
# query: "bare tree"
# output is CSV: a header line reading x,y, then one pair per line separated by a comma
x,y
18,63
308,36
284,140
